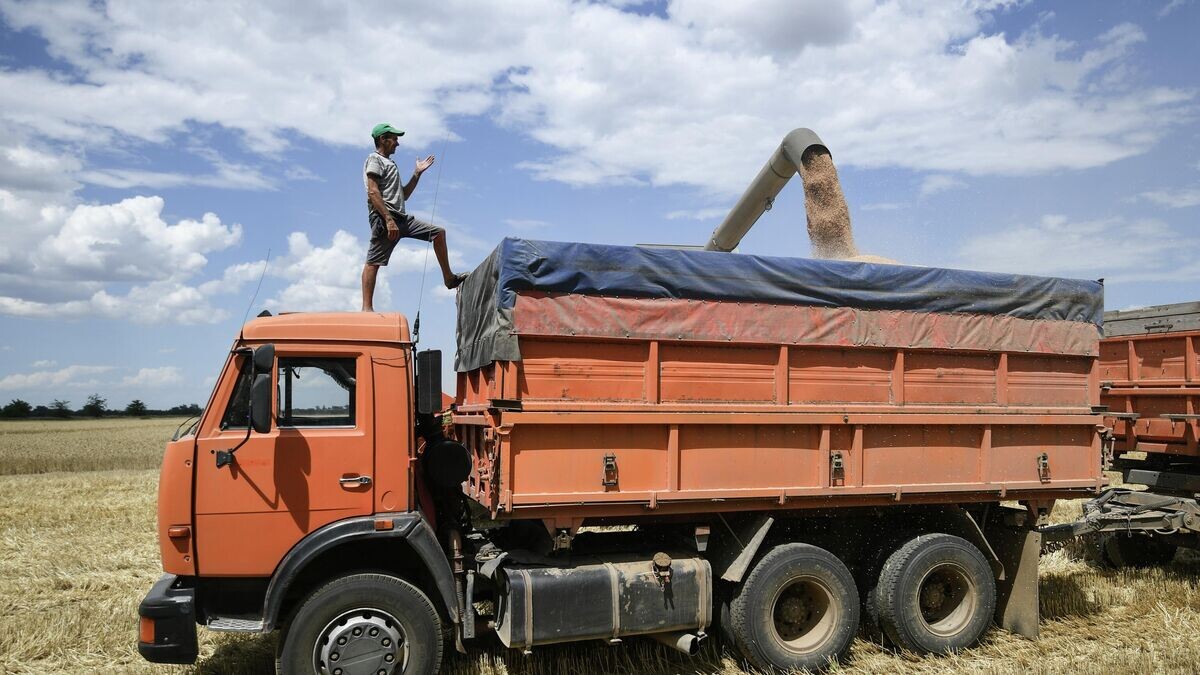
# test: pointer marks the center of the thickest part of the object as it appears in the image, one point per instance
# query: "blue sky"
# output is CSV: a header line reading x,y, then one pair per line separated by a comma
x,y
152,153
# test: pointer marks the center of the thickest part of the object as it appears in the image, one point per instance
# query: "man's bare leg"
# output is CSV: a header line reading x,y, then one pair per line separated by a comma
x,y
449,278
370,272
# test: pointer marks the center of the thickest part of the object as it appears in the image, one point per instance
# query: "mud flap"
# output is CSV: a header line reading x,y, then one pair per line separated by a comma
x,y
1018,549
735,545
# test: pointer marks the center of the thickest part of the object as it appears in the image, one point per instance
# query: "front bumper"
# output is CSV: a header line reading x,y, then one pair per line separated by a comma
x,y
167,629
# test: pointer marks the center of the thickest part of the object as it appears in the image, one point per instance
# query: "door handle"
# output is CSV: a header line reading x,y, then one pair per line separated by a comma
x,y
355,480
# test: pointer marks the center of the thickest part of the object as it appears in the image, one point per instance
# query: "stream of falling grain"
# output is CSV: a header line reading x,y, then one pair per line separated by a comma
x,y
828,216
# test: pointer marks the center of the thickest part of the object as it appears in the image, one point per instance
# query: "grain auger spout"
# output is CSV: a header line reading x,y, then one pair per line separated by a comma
x,y
803,152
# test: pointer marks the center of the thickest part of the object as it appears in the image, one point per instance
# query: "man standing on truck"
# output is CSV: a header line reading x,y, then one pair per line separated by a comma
x,y
389,221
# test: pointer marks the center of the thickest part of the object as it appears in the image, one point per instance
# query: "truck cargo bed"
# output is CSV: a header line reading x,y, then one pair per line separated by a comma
x,y
685,402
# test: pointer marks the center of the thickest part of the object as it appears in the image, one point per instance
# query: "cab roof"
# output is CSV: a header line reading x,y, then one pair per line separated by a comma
x,y
329,326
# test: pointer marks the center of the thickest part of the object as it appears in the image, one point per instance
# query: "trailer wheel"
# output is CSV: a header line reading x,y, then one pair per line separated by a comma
x,y
363,623
1119,550
798,609
935,594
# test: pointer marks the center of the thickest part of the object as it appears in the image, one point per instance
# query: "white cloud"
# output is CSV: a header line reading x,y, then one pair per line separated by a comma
x,y
698,98
156,302
44,363
1174,198
119,260
329,278
1170,7
698,94
697,214
229,176
1059,246
71,376
154,377
916,86
777,26
24,167
936,183
883,206
296,173
130,241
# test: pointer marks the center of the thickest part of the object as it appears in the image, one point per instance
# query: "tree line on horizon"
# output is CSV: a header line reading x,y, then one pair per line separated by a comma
x,y
96,406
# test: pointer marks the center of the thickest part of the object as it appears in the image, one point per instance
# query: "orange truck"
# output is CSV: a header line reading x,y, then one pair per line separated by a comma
x,y
643,442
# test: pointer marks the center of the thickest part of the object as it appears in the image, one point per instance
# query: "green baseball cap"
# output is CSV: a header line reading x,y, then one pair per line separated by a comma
x,y
385,128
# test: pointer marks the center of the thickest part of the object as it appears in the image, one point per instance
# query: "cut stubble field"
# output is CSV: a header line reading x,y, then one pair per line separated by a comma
x,y
78,551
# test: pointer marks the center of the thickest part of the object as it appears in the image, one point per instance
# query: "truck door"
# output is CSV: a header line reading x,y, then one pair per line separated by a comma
x,y
313,468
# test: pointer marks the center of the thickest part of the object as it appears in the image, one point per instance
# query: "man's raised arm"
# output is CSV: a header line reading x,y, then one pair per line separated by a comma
x,y
422,165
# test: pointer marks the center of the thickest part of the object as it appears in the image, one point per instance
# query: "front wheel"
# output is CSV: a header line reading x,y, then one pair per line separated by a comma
x,y
363,624
797,610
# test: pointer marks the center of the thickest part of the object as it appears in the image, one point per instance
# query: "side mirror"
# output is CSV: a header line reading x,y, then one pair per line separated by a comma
x,y
264,359
260,388
429,381
261,363
260,402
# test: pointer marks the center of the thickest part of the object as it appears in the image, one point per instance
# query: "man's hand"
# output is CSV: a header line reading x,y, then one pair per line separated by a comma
x,y
393,230
411,185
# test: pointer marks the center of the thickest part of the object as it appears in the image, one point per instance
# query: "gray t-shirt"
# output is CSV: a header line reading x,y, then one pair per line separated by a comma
x,y
389,181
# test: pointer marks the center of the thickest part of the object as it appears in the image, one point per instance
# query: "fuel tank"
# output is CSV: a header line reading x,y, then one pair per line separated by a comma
x,y
606,599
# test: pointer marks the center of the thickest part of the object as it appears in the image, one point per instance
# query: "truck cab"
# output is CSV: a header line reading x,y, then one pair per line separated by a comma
x,y
246,513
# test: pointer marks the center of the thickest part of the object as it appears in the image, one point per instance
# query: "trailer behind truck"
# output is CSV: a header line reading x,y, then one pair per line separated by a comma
x,y
1150,396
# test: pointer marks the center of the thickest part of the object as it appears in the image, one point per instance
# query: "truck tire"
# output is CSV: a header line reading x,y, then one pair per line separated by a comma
x,y
797,610
363,623
1117,550
870,561
935,594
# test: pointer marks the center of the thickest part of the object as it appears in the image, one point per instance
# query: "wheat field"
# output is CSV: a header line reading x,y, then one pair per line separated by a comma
x,y
78,551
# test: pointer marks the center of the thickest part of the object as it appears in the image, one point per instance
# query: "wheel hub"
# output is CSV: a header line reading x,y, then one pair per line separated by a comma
x,y
932,596
947,599
793,610
361,642
804,615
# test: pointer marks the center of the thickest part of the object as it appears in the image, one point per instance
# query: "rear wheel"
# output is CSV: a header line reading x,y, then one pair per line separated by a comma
x,y
935,594
797,609
363,624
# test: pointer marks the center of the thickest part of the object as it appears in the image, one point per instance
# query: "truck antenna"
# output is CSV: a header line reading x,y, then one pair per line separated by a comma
x,y
254,297
425,265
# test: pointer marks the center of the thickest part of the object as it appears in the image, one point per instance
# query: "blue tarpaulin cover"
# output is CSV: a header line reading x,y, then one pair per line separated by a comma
x,y
626,271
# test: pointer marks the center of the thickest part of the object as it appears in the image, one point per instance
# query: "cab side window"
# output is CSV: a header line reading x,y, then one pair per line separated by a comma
x,y
237,411
317,391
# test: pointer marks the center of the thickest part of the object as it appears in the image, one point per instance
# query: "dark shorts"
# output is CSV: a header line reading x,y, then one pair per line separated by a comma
x,y
411,227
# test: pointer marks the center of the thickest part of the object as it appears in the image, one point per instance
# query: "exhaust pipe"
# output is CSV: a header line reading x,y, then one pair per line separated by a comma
x,y
688,643
803,152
